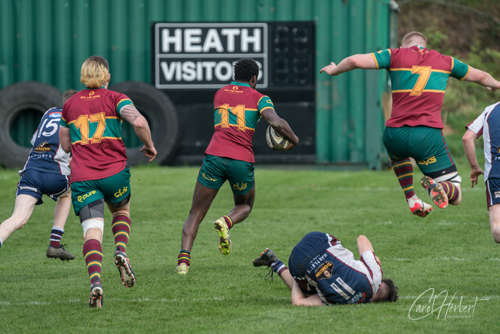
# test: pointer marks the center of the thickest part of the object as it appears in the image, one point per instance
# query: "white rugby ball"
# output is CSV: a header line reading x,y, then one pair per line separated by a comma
x,y
275,140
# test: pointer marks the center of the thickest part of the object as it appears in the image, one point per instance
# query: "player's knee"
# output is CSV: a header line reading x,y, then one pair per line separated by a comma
x,y
495,231
93,229
196,215
19,221
496,237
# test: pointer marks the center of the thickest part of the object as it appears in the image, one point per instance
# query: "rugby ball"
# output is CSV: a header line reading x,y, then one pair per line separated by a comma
x,y
275,140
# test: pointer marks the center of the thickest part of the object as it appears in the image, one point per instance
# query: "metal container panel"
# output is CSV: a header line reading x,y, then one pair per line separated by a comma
x,y
48,41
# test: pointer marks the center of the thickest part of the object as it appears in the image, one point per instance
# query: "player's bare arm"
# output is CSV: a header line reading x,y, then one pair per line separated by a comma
x,y
141,127
299,299
65,139
363,61
482,78
364,245
470,153
281,126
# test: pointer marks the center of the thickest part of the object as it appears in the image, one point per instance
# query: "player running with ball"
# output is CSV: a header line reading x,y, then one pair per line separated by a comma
x,y
229,156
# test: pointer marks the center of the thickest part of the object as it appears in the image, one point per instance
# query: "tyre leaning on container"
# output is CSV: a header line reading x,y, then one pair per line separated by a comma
x,y
162,118
20,100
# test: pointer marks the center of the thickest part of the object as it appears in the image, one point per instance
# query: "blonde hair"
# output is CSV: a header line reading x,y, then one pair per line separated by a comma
x,y
95,72
414,37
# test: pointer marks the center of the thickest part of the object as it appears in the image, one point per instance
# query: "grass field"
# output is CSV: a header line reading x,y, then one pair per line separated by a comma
x,y
450,251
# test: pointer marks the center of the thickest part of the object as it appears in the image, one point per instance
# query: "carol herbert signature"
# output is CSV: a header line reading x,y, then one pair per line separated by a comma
x,y
442,305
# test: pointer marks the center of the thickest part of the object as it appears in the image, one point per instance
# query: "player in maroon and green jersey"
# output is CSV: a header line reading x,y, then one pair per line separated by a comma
x,y
229,156
91,129
414,130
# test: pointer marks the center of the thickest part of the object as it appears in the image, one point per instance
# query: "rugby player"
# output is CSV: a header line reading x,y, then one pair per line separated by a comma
x,y
487,125
419,77
91,128
322,272
45,172
229,156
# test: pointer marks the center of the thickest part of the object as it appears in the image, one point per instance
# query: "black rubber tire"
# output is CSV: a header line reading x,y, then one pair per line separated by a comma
x,y
16,99
160,112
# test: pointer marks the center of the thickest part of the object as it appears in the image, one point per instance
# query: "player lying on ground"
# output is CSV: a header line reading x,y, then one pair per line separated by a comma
x,y
323,272
45,172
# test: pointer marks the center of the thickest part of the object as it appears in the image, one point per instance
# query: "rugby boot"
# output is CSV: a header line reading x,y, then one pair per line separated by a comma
x,y
419,207
436,191
265,259
59,253
224,240
126,273
96,295
182,269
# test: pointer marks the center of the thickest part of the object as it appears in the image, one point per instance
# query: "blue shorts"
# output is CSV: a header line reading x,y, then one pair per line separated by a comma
x,y
319,263
312,244
492,191
36,183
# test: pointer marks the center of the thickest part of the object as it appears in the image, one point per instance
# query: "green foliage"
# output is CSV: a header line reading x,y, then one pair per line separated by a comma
x,y
469,31
450,250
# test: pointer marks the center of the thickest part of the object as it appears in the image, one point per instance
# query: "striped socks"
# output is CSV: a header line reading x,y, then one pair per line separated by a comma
x,y
229,222
121,230
451,191
92,253
184,257
278,267
56,236
404,173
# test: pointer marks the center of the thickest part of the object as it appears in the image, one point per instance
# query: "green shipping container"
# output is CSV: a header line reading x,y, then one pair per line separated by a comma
x,y
48,40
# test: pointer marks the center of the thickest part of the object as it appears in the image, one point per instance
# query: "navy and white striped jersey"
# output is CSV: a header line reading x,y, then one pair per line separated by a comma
x,y
487,125
320,264
47,155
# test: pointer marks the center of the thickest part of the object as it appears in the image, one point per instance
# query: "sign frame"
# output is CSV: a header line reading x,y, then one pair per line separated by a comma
x,y
158,55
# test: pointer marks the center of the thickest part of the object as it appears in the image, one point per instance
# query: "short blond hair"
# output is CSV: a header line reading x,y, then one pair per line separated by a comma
x,y
414,37
95,72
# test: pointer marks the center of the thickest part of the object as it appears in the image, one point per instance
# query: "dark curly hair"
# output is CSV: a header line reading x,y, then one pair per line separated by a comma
x,y
245,69
392,291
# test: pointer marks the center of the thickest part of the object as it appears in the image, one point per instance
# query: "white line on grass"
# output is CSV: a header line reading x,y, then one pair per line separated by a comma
x,y
136,300
176,300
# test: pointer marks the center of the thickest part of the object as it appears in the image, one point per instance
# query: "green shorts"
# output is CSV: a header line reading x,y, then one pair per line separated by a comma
x,y
424,144
216,170
113,189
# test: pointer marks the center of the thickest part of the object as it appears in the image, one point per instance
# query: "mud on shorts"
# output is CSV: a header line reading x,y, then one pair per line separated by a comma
x,y
36,183
216,170
424,144
113,189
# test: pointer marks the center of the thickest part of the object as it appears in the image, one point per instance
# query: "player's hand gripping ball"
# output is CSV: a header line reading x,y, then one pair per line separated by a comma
x,y
275,140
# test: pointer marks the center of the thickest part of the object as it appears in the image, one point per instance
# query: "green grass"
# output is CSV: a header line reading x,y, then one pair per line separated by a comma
x,y
450,250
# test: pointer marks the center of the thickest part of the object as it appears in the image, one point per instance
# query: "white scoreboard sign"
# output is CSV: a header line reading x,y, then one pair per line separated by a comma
x,y
202,55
